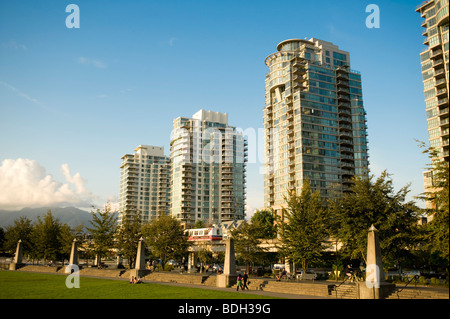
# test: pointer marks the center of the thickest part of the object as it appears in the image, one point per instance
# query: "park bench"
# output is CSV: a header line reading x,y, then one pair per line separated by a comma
x,y
307,277
288,277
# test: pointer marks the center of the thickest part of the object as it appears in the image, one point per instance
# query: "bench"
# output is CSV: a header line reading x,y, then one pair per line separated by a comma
x,y
307,276
288,277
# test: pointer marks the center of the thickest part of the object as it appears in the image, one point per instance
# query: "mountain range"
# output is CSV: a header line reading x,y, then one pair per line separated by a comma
x,y
67,215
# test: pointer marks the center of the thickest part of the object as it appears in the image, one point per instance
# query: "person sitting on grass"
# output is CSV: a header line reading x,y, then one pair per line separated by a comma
x,y
282,274
131,280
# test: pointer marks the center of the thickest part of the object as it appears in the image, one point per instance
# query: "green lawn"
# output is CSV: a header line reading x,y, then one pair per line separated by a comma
x,y
23,285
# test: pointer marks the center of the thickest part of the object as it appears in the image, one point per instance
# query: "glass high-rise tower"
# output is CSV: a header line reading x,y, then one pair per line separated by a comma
x,y
314,121
144,183
208,169
435,74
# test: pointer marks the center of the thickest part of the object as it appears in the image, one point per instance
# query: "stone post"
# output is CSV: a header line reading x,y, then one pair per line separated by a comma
x,y
119,261
139,265
191,261
17,257
74,253
228,278
375,286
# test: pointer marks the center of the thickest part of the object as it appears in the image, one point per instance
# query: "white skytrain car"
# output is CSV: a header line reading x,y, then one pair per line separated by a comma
x,y
211,233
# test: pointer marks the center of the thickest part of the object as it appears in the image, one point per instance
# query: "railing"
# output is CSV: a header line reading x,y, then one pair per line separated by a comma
x,y
337,286
415,279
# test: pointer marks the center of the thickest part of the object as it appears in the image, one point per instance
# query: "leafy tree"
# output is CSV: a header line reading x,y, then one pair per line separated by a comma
x,y
265,222
436,235
166,238
305,231
66,237
104,224
2,238
45,237
128,235
247,240
375,202
20,230
199,224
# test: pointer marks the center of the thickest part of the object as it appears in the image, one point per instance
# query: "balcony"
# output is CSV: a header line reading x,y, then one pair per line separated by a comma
x,y
342,75
439,73
438,62
440,83
346,134
442,101
436,53
346,119
344,104
342,83
441,92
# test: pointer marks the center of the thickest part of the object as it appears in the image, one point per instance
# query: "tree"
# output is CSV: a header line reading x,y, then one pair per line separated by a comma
x,y
66,237
20,230
436,236
45,237
305,231
128,235
166,238
265,222
247,240
375,203
104,224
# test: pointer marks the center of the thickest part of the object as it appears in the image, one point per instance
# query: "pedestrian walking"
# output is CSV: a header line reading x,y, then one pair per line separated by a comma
x,y
245,279
239,282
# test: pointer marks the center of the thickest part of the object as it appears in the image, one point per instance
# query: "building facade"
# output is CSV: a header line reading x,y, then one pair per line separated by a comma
x,y
208,169
144,183
435,74
314,121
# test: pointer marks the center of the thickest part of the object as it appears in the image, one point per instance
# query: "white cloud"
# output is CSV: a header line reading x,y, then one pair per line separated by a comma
x,y
22,94
97,63
172,41
12,44
25,183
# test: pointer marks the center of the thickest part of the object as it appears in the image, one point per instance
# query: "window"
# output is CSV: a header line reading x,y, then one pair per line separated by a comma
x,y
339,56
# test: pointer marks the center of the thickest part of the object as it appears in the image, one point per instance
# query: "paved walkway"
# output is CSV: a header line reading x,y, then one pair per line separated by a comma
x,y
247,292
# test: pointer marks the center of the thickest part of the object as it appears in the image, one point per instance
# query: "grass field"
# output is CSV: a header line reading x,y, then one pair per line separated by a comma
x,y
23,285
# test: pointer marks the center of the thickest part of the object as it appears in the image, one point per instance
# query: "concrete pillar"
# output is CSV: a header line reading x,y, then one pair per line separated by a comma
x,y
139,265
228,278
119,260
229,267
17,257
375,286
191,261
287,265
140,256
74,253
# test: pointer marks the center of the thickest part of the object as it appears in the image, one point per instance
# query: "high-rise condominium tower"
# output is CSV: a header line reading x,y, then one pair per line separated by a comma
x,y
144,183
314,121
208,159
435,68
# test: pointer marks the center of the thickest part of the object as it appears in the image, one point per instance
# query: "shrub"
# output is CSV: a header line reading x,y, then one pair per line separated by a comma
x,y
423,280
168,267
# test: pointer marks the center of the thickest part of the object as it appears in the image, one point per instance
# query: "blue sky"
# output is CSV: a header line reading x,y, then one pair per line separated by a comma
x,y
85,97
